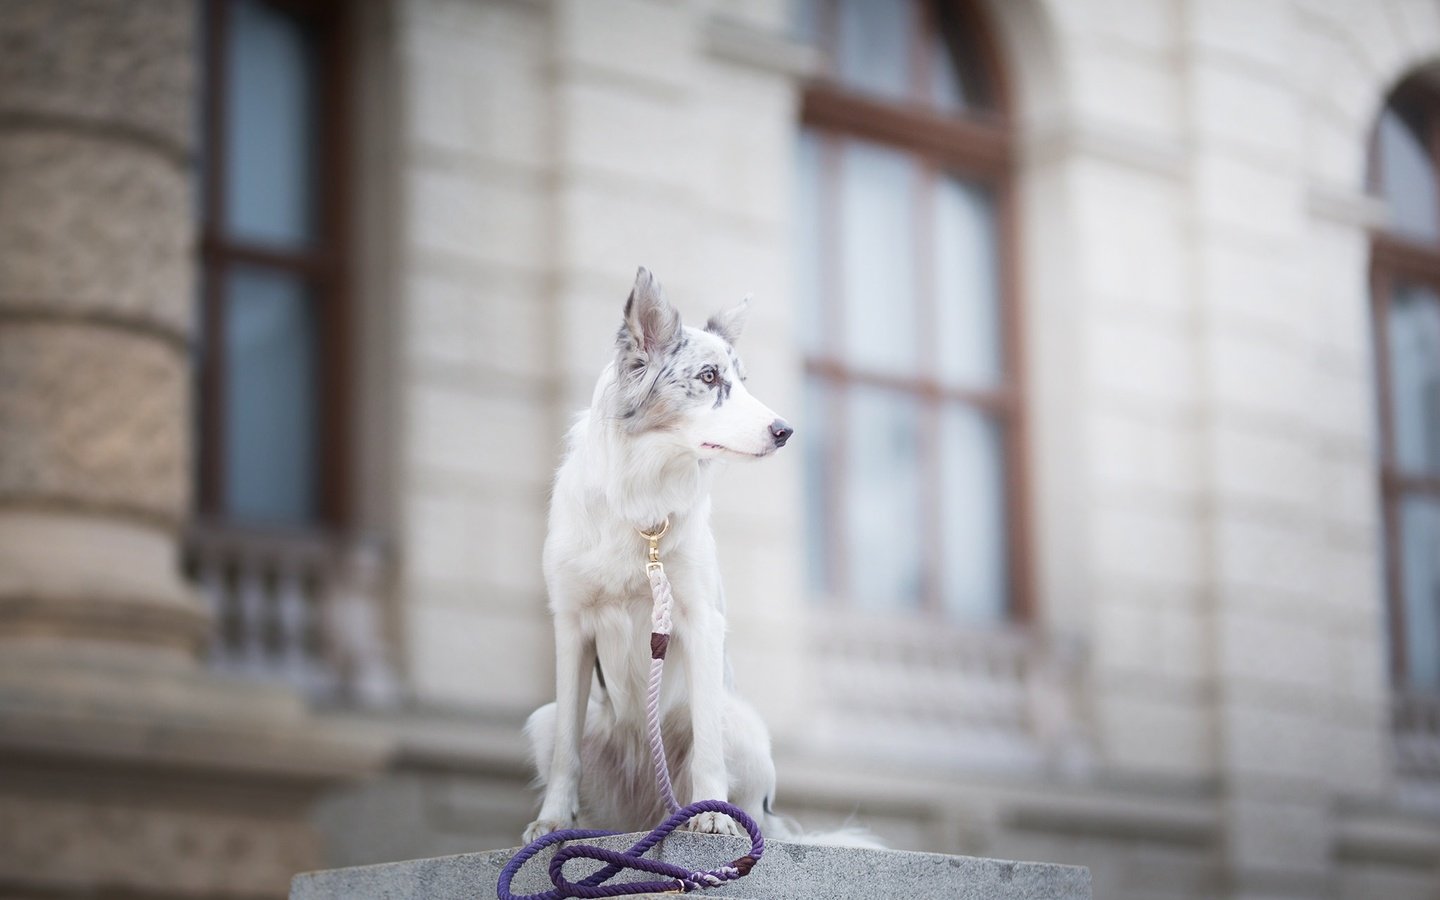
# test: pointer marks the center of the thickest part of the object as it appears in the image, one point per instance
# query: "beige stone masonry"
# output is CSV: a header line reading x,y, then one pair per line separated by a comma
x,y
102,66
93,418
126,769
86,232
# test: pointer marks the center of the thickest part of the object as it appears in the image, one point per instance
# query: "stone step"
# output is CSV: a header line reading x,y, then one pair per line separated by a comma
x,y
787,871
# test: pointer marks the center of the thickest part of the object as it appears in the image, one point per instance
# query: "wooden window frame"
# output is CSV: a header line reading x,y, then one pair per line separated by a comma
x,y
1397,259
978,144
324,265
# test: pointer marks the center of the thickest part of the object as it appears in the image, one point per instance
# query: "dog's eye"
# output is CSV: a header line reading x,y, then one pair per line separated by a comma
x,y
708,375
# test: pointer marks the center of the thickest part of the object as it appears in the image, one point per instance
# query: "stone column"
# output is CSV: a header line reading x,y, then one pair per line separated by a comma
x,y
96,300
124,766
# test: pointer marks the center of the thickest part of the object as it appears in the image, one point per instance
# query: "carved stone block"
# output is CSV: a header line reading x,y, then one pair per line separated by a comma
x,y
92,228
93,418
125,64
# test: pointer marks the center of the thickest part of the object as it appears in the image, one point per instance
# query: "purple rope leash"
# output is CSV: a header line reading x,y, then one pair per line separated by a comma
x,y
678,878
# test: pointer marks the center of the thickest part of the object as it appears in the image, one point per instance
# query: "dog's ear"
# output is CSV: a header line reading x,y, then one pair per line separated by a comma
x,y
651,323
729,323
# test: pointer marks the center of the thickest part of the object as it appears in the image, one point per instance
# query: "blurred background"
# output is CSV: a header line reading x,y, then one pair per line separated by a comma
x,y
1110,330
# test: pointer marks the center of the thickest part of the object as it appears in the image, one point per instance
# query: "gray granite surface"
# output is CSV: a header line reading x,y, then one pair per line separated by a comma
x,y
786,871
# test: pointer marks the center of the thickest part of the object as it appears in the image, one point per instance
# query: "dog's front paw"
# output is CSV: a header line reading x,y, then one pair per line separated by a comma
x,y
714,823
541,827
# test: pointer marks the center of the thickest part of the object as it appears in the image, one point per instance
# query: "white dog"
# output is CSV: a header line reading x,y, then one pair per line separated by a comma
x,y
670,406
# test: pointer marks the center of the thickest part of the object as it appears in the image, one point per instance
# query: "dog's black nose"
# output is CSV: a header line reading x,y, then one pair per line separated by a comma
x,y
781,431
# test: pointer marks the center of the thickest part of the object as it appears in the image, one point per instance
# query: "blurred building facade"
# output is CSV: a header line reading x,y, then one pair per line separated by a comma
x,y
1108,330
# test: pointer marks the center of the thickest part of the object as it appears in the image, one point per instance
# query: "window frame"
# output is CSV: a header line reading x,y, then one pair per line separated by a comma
x,y
323,266
1395,259
977,143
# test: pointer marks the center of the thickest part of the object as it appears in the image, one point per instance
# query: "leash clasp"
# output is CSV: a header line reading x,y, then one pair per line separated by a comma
x,y
654,564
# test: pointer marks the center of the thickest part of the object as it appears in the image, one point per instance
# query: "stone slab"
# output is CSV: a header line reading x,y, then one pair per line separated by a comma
x,y
786,871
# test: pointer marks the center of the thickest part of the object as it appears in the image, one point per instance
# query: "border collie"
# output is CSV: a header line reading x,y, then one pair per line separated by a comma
x,y
671,405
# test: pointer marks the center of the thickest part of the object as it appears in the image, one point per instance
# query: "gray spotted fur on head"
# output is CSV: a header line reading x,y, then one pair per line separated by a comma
x,y
659,363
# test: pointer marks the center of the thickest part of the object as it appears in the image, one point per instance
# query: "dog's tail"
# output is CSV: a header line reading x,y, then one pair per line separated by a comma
x,y
784,828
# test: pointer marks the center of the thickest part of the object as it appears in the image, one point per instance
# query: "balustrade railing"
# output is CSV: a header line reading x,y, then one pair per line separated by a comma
x,y
1417,734
933,693
300,608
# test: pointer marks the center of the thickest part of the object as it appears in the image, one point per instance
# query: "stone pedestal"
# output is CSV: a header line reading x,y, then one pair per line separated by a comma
x,y
126,769
787,871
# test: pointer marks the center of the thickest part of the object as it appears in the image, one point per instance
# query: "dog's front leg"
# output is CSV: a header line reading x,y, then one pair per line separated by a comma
x,y
705,675
574,663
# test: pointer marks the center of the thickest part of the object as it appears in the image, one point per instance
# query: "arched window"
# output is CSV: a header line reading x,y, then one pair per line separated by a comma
x,y
906,279
1405,283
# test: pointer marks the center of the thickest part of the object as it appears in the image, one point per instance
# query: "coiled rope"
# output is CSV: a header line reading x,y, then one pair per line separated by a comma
x,y
678,879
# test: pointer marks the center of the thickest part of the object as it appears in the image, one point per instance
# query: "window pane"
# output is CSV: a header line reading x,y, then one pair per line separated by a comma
x,y
1407,178
967,283
270,127
1420,584
972,468
805,21
874,50
270,398
877,257
1414,337
815,431
809,240
957,81
882,499
948,90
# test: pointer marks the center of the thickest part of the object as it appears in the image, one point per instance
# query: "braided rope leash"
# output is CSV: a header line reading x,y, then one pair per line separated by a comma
x,y
679,880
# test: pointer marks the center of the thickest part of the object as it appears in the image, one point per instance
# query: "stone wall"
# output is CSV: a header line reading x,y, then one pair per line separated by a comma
x,y
475,396
1213,176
